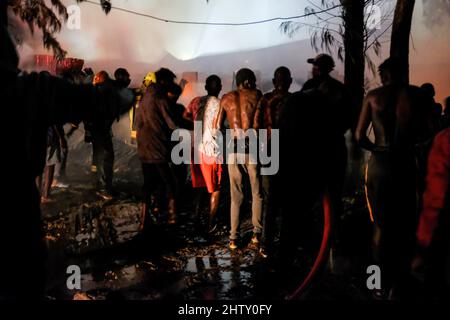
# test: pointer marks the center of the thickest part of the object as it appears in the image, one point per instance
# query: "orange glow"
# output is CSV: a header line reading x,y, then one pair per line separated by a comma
x,y
367,195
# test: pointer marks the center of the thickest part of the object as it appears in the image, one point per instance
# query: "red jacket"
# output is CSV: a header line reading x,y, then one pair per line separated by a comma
x,y
436,196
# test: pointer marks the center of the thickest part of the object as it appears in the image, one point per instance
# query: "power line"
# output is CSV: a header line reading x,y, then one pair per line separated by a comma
x,y
216,23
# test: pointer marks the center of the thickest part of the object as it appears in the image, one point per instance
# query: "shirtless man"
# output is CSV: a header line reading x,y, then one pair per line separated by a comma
x,y
241,109
399,115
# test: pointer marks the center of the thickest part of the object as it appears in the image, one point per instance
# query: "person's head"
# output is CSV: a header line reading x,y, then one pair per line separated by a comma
x,y
165,77
174,92
245,79
282,79
67,75
428,88
79,77
45,73
122,77
323,64
213,85
101,78
389,71
9,59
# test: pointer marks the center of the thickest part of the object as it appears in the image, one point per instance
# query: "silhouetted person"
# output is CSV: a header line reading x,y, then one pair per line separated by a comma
x,y
433,233
304,125
102,145
436,112
155,123
340,111
400,117
271,105
53,157
178,110
38,101
208,173
60,177
241,109
122,78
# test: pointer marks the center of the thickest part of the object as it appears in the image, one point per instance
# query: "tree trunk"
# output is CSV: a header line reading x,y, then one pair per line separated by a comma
x,y
353,17
401,31
354,51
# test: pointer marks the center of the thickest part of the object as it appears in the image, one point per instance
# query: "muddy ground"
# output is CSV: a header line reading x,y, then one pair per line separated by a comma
x,y
177,262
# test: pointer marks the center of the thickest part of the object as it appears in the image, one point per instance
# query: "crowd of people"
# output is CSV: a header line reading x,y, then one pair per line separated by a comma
x,y
407,176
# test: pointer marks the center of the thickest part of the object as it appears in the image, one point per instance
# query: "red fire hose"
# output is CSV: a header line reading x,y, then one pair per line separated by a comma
x,y
323,252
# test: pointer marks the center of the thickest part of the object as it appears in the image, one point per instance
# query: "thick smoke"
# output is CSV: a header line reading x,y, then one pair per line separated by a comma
x,y
430,47
436,12
26,41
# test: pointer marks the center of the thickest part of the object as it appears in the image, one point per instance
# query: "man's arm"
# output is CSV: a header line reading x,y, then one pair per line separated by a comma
x,y
66,102
167,114
189,112
61,136
259,113
187,115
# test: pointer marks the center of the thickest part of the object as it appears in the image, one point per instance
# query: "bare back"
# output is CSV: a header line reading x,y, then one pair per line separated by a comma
x,y
241,109
398,116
